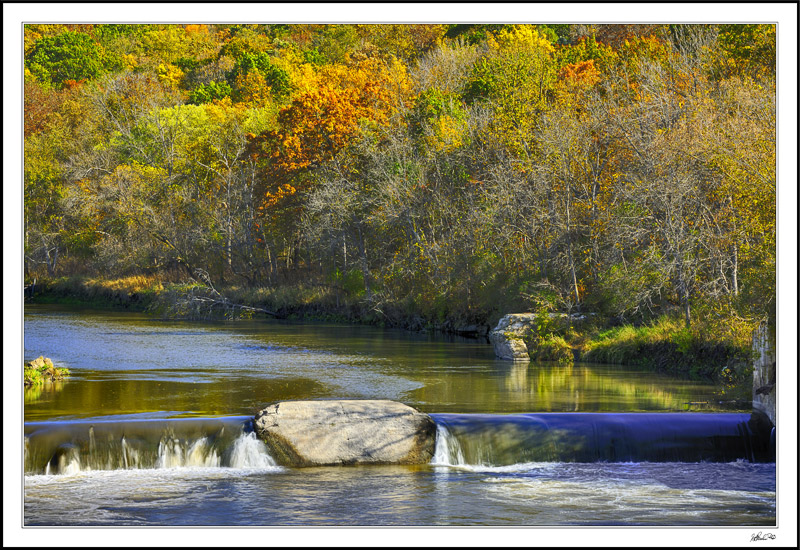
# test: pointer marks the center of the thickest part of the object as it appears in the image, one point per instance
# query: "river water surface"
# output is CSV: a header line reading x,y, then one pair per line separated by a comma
x,y
153,429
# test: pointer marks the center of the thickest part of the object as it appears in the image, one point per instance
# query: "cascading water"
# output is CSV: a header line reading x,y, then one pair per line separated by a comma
x,y
71,447
447,451
498,440
250,452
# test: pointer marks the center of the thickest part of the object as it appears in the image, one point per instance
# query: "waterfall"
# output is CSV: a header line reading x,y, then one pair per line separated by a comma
x,y
485,440
65,461
504,440
250,452
176,453
447,451
69,447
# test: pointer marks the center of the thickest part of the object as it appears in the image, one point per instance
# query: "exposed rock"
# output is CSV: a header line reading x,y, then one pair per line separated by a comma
x,y
327,433
764,372
41,362
507,336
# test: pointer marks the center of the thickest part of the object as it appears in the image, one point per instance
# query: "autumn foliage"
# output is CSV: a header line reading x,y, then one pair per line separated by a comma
x,y
442,172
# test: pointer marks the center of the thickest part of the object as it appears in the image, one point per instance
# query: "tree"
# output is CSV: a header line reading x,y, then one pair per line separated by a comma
x,y
66,56
206,93
516,77
258,64
745,50
320,122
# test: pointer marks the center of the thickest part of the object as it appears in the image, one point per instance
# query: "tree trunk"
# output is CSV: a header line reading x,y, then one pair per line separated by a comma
x,y
686,306
362,249
569,249
50,260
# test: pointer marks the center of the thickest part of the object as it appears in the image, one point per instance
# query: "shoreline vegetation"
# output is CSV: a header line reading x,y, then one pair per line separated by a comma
x,y
42,370
419,176
665,344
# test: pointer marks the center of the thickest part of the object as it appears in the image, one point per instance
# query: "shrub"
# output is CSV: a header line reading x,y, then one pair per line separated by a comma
x,y
666,345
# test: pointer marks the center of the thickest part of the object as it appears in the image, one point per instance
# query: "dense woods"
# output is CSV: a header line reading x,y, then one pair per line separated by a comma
x,y
441,174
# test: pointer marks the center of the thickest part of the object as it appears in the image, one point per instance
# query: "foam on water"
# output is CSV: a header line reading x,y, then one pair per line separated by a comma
x,y
69,448
250,452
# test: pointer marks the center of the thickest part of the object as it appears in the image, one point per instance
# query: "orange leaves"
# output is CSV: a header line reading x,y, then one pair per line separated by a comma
x,y
315,127
575,80
271,199
196,29
325,118
253,89
583,74
74,84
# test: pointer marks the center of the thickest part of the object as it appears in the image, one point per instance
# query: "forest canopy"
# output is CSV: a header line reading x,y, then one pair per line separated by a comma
x,y
444,171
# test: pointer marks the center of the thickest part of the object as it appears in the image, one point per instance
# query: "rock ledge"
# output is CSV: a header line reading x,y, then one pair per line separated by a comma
x,y
328,433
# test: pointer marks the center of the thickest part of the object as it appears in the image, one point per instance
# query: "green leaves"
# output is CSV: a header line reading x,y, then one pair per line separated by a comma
x,y
276,78
206,93
746,50
67,56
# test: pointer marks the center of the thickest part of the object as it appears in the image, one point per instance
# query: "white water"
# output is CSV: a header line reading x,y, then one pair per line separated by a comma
x,y
250,452
447,451
246,452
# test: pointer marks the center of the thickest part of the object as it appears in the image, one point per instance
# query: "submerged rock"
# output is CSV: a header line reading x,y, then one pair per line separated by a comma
x,y
327,433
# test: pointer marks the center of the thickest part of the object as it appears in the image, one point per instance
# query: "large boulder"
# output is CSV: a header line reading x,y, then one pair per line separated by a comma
x,y
328,433
507,336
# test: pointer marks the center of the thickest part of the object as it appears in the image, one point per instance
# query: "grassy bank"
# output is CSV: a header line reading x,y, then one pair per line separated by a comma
x,y
720,353
137,293
667,345
199,301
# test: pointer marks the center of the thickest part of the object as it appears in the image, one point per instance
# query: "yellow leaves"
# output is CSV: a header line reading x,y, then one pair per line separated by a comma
x,y
523,37
170,74
448,134
305,78
223,111
130,61
253,89
271,199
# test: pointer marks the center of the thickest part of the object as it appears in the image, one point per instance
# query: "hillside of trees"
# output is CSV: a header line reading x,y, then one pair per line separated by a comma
x,y
426,173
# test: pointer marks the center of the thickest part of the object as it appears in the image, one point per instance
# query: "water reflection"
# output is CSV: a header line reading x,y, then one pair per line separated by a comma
x,y
98,396
129,363
549,387
42,392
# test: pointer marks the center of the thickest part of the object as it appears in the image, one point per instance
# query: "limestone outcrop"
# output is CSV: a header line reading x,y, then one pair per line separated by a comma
x,y
328,433
507,336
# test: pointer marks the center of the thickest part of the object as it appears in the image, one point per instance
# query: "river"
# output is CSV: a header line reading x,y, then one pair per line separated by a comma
x,y
152,429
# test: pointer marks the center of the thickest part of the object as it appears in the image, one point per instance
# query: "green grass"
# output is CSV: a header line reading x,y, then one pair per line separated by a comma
x,y
41,370
550,348
130,293
666,345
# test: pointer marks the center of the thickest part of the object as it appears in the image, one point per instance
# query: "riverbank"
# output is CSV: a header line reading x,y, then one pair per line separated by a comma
x,y
701,352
